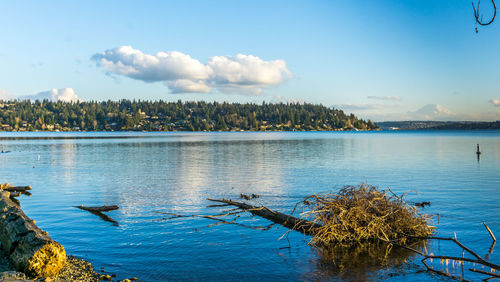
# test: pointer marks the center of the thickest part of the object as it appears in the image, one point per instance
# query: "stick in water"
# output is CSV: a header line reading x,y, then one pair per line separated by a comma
x,y
491,233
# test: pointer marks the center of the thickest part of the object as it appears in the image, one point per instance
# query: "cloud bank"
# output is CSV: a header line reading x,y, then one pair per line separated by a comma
x,y
245,74
495,102
62,94
432,112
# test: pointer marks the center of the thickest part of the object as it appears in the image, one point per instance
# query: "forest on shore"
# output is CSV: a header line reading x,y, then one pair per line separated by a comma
x,y
160,115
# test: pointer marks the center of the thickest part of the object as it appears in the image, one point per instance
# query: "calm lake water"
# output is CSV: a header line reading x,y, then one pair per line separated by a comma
x,y
147,174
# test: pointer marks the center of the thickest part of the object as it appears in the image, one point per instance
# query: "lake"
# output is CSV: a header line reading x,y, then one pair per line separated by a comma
x,y
151,174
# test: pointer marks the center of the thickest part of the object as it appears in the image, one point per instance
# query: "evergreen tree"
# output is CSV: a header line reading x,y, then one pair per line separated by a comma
x,y
157,115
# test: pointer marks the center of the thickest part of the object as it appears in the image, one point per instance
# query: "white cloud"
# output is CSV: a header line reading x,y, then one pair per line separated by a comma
x,y
432,112
5,95
495,102
187,86
248,71
62,94
244,74
390,98
163,66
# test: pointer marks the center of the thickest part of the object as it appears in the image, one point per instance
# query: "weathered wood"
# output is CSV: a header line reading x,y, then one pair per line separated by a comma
x,y
17,188
295,223
491,232
30,249
14,194
485,272
98,209
105,217
99,212
423,204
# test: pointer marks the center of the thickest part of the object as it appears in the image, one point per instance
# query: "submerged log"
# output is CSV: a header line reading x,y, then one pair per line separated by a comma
x,y
29,248
98,209
99,212
317,230
292,222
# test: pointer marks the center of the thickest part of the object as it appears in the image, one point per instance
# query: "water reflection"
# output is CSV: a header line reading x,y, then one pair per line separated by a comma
x,y
63,156
176,172
360,262
186,173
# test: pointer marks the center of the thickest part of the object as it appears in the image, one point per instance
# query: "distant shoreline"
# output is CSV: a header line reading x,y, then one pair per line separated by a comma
x,y
438,125
384,126
381,129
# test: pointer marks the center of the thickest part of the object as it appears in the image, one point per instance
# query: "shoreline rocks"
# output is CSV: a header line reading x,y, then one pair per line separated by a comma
x,y
75,269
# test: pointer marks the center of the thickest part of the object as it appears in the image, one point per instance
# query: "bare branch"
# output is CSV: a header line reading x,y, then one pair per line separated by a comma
x,y
477,15
216,218
489,231
484,272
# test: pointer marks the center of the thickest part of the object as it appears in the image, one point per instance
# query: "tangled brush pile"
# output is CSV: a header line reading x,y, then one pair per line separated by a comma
x,y
363,213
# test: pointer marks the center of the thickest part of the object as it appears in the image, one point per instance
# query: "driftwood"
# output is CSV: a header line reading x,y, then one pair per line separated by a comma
x,y
309,228
219,221
489,231
14,194
29,248
485,272
17,188
289,221
476,260
98,209
423,204
99,212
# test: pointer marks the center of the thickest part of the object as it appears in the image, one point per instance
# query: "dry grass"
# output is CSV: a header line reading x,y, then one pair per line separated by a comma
x,y
363,213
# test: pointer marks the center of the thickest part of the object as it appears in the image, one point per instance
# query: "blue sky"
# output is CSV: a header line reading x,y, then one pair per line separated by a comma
x,y
384,60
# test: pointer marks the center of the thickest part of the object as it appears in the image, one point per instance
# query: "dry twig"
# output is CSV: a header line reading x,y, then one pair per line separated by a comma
x,y
489,231
477,260
479,18
216,218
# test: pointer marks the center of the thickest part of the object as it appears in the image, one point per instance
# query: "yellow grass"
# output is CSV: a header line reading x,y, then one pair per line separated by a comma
x,y
363,213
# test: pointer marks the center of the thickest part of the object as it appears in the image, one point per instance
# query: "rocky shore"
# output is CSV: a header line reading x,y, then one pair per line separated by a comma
x,y
32,254
76,269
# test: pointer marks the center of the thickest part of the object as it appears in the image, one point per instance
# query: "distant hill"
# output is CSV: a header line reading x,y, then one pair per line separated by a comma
x,y
438,125
173,116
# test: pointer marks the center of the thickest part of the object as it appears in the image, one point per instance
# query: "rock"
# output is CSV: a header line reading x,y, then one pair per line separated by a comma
x,y
30,249
12,276
105,277
77,270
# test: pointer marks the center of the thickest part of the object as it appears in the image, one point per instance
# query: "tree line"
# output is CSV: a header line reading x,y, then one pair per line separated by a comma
x,y
173,116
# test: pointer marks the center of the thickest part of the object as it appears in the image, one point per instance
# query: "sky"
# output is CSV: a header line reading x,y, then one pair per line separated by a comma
x,y
381,60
